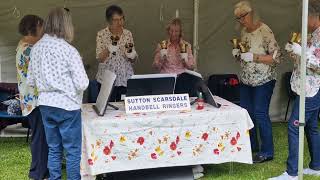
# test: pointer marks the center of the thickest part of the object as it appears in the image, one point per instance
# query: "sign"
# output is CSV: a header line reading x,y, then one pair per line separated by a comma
x,y
170,102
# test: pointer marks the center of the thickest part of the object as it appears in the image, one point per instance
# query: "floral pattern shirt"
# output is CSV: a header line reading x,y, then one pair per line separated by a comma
x,y
28,94
118,63
313,67
174,63
261,42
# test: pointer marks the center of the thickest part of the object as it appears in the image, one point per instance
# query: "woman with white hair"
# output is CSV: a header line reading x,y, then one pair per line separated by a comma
x,y
312,101
258,76
57,71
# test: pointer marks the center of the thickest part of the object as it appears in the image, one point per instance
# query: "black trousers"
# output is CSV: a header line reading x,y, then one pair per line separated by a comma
x,y
39,148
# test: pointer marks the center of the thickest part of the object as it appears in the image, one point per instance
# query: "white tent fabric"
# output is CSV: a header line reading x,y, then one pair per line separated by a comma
x,y
147,20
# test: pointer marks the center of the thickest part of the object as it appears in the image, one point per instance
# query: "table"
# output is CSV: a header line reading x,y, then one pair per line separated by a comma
x,y
122,142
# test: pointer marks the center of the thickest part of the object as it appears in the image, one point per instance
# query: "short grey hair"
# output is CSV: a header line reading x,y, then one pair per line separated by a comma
x,y
243,7
59,23
314,7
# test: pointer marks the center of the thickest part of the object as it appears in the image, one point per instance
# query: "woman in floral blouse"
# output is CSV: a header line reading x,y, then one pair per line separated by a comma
x,y
30,28
258,76
312,101
118,54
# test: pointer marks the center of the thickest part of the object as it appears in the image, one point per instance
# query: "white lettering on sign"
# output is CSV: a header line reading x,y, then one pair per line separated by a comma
x,y
170,102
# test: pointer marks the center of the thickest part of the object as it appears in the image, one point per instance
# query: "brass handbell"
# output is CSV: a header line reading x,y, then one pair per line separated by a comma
x,y
129,47
295,38
235,43
243,47
164,44
183,47
114,40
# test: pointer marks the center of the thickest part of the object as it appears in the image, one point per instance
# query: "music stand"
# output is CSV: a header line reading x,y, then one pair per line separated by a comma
x,y
107,85
192,83
151,84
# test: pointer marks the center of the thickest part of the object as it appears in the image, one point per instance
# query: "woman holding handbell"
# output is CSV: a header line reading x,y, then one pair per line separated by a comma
x,y
258,53
116,52
174,55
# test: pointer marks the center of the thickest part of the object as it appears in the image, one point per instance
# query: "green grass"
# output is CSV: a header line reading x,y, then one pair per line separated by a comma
x,y
15,161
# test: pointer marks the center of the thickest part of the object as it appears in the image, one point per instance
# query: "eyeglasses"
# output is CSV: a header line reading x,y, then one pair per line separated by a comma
x,y
241,17
117,19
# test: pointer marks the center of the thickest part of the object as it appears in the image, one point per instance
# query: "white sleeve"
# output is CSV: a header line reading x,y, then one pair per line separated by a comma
x,y
78,73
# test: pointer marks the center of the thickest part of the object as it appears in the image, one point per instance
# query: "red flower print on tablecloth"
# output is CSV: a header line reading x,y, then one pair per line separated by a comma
x,y
173,146
106,150
140,140
90,162
239,148
216,151
233,141
113,157
177,139
238,135
111,144
205,136
153,155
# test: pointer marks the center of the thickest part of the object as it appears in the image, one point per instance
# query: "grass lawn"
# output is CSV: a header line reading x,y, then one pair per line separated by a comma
x,y
15,160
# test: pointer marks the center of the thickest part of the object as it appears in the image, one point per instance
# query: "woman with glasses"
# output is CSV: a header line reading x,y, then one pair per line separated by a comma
x,y
258,76
115,48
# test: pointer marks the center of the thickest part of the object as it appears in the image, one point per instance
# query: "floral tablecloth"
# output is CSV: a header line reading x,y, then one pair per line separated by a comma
x,y
120,142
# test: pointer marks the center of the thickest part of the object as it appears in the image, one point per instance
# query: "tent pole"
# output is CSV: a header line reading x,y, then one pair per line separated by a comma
x,y
302,86
195,30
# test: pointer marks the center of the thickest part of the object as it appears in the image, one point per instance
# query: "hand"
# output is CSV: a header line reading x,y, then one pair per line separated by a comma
x,y
247,57
184,56
236,53
132,54
163,53
295,48
113,49
104,55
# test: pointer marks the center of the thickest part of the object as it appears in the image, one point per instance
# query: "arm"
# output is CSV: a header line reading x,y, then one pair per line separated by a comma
x,y
102,52
78,73
133,48
313,59
190,64
30,75
157,63
272,48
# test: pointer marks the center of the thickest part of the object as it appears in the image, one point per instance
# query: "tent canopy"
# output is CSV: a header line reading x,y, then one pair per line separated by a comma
x,y
147,19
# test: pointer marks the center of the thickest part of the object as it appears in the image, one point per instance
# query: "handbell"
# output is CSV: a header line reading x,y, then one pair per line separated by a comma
x,y
129,47
114,40
243,47
183,47
164,44
298,38
235,43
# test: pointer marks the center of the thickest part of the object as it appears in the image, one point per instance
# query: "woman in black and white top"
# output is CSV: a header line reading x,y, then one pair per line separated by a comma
x,y
57,71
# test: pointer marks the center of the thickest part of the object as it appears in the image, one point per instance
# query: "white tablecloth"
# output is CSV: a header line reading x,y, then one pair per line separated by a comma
x,y
120,142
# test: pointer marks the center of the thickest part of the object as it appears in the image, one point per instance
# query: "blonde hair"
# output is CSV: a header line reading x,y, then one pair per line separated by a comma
x,y
175,22
243,7
59,23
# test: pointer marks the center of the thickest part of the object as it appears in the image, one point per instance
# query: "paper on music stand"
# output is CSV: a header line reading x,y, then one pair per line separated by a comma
x,y
193,73
105,92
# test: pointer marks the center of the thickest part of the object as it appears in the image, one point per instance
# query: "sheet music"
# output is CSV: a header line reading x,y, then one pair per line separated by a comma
x,y
105,91
193,73
145,76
